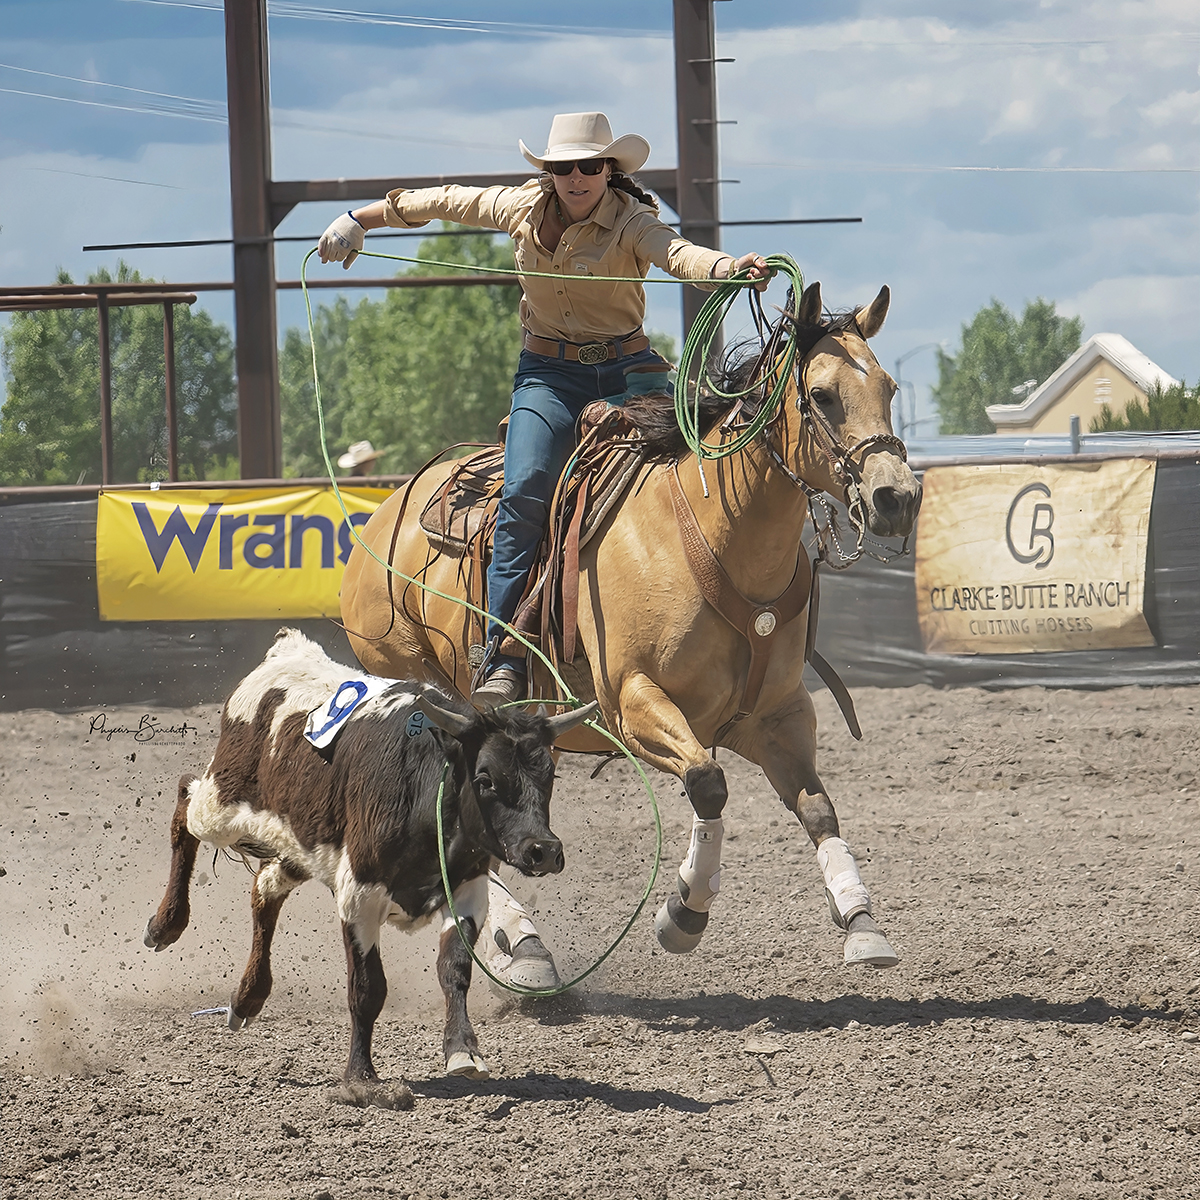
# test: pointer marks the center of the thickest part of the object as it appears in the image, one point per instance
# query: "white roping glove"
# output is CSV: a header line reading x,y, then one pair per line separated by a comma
x,y
341,241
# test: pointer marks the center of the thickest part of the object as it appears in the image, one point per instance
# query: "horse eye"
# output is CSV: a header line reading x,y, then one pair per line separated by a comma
x,y
823,396
483,782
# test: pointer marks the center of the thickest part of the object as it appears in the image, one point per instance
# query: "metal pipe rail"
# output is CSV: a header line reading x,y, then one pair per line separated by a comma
x,y
102,297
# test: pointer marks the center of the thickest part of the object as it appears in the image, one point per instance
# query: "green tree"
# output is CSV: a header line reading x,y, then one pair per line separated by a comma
x,y
998,353
50,419
412,373
1175,407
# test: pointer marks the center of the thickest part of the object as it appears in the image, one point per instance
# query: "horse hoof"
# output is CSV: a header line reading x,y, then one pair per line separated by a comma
x,y
467,1066
869,949
149,939
670,937
533,966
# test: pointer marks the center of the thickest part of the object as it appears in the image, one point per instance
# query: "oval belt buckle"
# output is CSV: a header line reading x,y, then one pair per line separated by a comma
x,y
593,353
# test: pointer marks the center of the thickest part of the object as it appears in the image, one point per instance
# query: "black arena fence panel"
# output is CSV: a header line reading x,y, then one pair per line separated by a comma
x,y
868,617
56,653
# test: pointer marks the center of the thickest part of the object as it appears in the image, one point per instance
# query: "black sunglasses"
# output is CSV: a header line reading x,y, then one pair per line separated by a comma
x,y
587,166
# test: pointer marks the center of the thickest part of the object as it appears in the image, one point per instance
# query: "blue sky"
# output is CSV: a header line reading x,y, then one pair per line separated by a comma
x,y
111,129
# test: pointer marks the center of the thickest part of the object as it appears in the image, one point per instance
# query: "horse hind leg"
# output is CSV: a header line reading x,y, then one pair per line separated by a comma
x,y
170,920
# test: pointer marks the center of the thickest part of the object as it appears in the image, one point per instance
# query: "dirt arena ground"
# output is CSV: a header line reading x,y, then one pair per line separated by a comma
x,y
1033,856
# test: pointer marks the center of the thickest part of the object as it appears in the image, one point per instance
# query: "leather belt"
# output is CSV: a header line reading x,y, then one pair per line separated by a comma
x,y
588,353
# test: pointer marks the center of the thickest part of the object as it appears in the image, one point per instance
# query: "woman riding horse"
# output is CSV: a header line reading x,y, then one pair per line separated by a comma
x,y
583,216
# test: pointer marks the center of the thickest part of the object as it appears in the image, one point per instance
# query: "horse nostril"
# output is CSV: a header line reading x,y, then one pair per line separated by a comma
x,y
558,864
887,501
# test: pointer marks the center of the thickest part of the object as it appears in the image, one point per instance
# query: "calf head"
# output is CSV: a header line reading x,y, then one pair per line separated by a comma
x,y
505,804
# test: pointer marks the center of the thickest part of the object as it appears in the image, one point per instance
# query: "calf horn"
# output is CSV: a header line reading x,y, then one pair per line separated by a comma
x,y
565,722
453,722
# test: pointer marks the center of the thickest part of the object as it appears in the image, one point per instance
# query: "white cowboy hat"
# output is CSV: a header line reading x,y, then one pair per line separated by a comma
x,y
589,135
359,453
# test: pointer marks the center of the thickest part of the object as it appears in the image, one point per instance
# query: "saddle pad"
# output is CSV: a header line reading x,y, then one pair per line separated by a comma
x,y
465,502
326,721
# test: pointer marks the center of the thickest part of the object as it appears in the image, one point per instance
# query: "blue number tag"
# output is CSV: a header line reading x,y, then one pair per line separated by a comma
x,y
325,722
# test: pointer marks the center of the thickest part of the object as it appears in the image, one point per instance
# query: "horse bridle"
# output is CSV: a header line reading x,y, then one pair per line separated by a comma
x,y
845,462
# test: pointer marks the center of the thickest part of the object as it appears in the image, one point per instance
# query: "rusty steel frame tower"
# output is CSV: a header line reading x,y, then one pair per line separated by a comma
x,y
260,203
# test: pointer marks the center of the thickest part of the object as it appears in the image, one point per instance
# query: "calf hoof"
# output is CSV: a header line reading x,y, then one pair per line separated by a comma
x,y
678,928
533,966
157,942
467,1066
237,1022
869,948
372,1094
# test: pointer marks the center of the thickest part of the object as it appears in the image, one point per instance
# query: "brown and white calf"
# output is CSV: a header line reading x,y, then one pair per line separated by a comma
x,y
359,815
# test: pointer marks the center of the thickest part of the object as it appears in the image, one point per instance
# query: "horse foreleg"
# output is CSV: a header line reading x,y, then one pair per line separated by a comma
x,y
786,751
657,732
515,935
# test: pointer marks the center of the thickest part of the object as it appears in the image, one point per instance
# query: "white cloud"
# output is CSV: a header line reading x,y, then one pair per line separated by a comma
x,y
1157,313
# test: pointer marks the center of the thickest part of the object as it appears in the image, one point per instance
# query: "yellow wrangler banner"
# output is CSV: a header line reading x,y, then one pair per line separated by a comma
x,y
1019,558
225,554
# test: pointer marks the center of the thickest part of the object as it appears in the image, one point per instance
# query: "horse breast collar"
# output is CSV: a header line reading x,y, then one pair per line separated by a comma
x,y
757,623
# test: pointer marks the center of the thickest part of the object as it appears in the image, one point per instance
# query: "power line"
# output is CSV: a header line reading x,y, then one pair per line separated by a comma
x,y
934,168
286,9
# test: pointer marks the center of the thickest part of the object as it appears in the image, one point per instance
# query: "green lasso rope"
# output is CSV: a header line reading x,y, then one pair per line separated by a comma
x,y
697,349
562,987
571,698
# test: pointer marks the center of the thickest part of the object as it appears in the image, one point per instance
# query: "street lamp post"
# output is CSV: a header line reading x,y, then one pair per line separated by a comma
x,y
900,385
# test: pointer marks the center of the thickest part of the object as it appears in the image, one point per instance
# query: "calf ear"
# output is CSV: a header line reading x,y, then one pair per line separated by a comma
x,y
870,320
567,721
444,713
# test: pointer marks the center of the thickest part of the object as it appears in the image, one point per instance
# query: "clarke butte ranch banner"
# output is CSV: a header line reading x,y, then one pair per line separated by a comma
x,y
225,554
1018,558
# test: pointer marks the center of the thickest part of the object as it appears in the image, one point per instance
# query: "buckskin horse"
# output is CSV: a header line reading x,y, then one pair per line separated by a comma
x,y
692,601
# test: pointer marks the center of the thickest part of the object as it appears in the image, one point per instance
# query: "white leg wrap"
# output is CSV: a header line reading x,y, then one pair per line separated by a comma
x,y
505,912
701,870
847,892
471,903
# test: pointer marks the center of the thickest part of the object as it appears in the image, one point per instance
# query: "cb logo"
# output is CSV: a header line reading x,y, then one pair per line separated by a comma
x,y
1041,520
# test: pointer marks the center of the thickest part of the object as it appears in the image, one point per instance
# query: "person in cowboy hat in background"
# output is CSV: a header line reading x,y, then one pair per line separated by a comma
x,y
582,216
360,459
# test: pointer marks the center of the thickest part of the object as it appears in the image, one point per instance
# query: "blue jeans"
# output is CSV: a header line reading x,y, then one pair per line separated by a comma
x,y
548,396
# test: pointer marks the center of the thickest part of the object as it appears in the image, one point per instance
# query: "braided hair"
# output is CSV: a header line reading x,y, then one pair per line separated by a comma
x,y
626,183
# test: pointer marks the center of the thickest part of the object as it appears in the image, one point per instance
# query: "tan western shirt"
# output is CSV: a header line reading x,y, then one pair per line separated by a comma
x,y
621,237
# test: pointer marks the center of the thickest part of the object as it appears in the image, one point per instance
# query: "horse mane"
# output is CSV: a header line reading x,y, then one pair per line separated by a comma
x,y
652,414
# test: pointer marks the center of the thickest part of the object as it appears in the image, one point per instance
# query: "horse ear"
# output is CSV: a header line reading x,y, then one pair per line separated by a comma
x,y
809,312
870,320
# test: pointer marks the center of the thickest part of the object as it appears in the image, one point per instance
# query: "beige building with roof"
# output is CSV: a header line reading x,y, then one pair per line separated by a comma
x,y
1106,369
